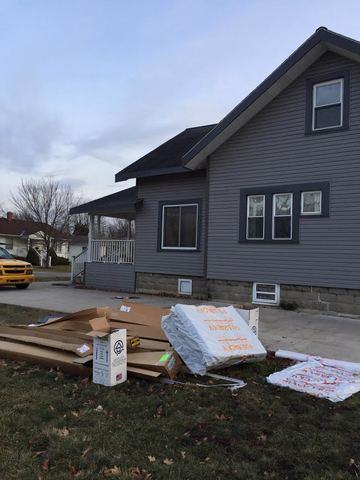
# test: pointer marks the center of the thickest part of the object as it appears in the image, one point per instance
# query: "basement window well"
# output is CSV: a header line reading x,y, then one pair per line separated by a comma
x,y
266,293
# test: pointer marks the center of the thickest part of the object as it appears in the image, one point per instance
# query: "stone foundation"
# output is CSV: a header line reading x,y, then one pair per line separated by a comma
x,y
326,299
162,284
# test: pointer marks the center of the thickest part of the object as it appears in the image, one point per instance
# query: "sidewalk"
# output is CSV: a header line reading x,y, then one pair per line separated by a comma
x,y
306,332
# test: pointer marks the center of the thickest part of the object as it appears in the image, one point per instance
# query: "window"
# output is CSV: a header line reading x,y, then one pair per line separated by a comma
x,y
311,203
179,227
328,104
266,293
282,216
255,217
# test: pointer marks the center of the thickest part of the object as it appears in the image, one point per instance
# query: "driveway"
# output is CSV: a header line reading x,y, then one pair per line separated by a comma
x,y
307,332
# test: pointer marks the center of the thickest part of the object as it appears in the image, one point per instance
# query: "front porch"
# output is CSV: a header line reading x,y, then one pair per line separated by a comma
x,y
107,263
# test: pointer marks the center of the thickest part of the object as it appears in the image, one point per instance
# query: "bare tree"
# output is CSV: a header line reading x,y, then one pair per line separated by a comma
x,y
121,229
47,202
2,211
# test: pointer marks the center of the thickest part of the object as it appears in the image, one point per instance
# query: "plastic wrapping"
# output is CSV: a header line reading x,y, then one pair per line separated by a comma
x,y
207,337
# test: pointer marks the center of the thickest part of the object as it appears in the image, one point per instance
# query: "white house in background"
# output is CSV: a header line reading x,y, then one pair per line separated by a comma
x,y
77,245
17,236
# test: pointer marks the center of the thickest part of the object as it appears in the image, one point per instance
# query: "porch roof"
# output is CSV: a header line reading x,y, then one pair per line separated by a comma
x,y
121,204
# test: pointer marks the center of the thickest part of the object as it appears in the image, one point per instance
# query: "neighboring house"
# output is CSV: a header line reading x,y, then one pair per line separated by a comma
x,y
17,236
77,245
262,206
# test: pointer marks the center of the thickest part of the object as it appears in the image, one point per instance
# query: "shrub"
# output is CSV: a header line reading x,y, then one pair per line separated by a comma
x,y
33,257
55,260
288,305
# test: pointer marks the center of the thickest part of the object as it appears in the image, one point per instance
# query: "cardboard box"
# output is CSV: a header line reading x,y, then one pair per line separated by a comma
x,y
250,315
110,353
139,314
166,362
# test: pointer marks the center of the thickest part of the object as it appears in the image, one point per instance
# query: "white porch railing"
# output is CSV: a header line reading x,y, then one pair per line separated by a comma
x,y
78,265
112,251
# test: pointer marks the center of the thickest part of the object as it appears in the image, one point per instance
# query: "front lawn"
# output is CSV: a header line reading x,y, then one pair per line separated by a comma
x,y
58,427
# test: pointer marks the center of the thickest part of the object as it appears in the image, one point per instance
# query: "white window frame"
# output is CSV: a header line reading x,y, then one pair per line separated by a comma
x,y
302,202
254,216
337,80
291,216
263,301
163,224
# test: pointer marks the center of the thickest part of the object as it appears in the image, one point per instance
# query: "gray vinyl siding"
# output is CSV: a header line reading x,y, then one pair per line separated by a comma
x,y
273,150
110,276
148,258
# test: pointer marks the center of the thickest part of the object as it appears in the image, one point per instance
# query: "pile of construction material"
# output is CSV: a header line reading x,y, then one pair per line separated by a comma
x,y
67,342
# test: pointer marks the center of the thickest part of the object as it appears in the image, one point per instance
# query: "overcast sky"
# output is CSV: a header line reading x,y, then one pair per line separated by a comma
x,y
87,87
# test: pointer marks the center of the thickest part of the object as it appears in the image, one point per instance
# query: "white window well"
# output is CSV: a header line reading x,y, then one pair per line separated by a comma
x,y
266,293
328,104
282,216
185,286
179,229
311,203
255,217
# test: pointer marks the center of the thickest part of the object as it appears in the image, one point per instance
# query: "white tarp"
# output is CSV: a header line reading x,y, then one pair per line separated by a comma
x,y
324,378
207,337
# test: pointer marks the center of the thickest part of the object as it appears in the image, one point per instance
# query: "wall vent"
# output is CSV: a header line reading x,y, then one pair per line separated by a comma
x,y
185,286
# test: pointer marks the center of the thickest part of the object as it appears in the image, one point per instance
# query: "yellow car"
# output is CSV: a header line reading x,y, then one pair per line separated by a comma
x,y
14,272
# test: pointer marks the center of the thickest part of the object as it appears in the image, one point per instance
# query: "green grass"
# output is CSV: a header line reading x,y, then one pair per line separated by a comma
x,y
56,268
51,428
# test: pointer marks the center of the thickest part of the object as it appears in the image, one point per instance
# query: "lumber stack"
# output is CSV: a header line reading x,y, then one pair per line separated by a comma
x,y
66,342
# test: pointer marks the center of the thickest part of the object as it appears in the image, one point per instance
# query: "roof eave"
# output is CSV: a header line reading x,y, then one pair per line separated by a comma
x,y
121,176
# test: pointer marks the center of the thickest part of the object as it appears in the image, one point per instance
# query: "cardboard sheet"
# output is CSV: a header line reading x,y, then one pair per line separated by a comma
x,y
138,313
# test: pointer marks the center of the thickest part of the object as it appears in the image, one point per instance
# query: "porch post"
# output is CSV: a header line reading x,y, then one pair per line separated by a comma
x,y
98,229
90,236
129,229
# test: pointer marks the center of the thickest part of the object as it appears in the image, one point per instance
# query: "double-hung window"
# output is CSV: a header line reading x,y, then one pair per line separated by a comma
x,y
282,216
179,227
255,217
328,104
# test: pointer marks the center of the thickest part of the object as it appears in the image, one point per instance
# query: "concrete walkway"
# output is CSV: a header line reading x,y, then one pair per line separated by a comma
x,y
306,332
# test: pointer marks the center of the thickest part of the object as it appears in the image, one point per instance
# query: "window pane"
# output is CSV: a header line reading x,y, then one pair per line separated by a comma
x,y
327,94
255,227
188,226
283,204
328,116
282,227
311,202
256,206
171,227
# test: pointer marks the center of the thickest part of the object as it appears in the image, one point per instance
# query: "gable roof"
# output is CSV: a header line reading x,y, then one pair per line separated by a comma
x,y
167,158
23,228
315,46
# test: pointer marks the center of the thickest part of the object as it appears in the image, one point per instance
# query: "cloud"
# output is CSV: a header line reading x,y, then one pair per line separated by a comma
x,y
26,137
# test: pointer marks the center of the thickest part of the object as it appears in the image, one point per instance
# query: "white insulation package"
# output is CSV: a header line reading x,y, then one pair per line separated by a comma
x,y
207,337
321,377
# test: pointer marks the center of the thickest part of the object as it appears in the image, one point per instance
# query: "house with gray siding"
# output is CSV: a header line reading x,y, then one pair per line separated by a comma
x,y
263,206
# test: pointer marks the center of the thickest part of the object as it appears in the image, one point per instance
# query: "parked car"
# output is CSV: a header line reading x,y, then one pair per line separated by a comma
x,y
15,272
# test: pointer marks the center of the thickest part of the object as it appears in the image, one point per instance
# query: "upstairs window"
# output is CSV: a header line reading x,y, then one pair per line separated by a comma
x,y
328,104
311,203
255,217
282,216
179,227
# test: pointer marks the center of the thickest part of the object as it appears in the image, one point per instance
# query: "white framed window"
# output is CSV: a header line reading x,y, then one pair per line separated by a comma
x,y
255,220
282,216
179,228
328,104
311,203
185,286
266,293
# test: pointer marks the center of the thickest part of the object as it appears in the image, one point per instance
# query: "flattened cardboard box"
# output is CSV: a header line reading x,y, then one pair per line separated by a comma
x,y
139,313
110,354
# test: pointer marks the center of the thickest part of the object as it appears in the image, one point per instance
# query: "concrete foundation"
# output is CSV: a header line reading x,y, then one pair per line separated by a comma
x,y
325,299
157,283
